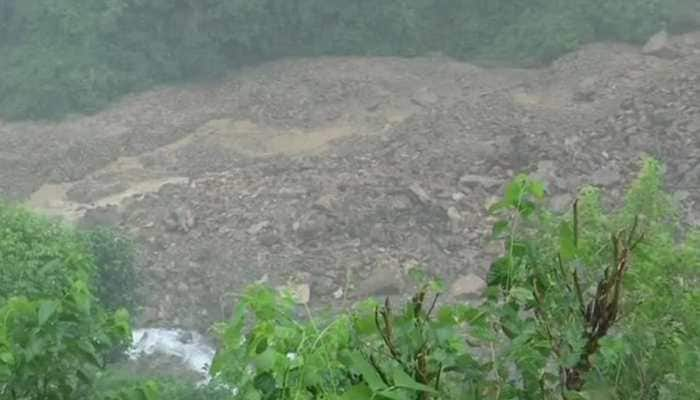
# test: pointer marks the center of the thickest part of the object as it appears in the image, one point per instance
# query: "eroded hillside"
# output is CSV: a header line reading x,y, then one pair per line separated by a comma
x,y
336,175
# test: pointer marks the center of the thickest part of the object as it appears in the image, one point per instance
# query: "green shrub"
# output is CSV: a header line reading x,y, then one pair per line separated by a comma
x,y
39,257
52,348
639,340
62,56
116,279
54,335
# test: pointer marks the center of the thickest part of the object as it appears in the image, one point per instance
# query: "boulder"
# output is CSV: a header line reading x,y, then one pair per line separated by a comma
x,y
660,46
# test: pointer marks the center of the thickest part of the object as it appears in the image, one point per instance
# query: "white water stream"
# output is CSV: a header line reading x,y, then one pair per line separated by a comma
x,y
190,347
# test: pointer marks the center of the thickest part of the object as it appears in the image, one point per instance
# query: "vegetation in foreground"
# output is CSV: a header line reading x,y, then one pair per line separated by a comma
x,y
66,56
589,304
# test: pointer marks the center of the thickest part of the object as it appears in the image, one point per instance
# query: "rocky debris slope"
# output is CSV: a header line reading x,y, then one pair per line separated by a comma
x,y
336,176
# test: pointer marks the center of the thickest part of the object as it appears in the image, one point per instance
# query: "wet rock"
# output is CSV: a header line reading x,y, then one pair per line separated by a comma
x,y
471,181
606,176
312,225
456,220
185,337
400,202
292,192
327,202
425,98
385,279
420,193
586,90
270,239
660,46
148,315
691,178
101,216
180,220
561,202
547,172
378,234
257,228
323,285
300,292
458,197
170,223
661,118
467,287
373,104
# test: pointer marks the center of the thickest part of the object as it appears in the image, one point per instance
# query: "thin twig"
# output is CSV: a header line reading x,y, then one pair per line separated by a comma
x,y
579,293
432,305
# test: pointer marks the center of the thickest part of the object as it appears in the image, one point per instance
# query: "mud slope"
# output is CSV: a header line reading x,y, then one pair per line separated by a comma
x,y
334,176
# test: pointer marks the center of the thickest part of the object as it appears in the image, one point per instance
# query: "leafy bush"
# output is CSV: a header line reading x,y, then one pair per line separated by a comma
x,y
116,280
54,336
62,56
39,257
611,298
51,348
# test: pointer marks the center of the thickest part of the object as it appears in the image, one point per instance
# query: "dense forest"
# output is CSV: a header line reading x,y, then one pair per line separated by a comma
x,y
65,56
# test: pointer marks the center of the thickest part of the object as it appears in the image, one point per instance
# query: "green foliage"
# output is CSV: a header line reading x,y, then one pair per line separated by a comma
x,y
124,384
54,335
280,356
40,257
62,56
149,390
556,296
116,280
51,348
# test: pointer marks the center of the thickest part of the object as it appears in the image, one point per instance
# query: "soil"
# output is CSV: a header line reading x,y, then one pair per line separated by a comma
x,y
335,176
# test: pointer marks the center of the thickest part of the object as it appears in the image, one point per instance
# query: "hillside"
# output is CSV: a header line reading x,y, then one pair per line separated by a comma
x,y
335,174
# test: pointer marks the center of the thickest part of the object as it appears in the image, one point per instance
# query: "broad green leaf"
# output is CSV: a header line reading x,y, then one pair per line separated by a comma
x,y
46,310
358,392
403,380
265,361
367,371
